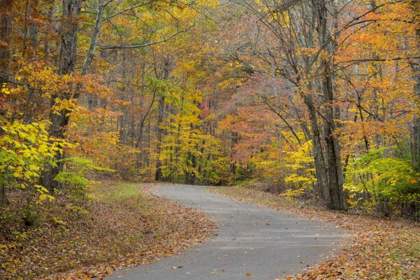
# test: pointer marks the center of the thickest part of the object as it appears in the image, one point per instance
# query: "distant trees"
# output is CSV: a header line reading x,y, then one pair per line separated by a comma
x,y
331,70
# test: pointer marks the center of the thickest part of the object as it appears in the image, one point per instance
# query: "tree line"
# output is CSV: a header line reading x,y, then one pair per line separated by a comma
x,y
316,99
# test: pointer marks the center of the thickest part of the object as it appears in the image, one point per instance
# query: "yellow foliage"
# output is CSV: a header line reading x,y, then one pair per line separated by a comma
x,y
25,150
301,162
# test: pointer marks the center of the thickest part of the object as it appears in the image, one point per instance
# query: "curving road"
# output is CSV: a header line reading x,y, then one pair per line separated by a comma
x,y
251,242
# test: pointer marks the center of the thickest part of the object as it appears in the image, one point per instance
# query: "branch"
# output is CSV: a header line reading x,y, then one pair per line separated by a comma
x,y
127,10
147,44
378,59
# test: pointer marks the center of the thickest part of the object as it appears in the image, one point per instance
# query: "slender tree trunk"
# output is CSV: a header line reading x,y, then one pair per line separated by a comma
x,y
67,63
3,198
158,174
143,121
161,111
5,31
415,65
94,38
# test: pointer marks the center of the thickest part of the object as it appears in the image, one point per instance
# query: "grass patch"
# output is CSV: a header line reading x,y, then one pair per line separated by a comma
x,y
109,193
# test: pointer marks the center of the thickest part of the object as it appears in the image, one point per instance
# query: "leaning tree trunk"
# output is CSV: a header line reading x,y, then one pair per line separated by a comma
x,y
67,62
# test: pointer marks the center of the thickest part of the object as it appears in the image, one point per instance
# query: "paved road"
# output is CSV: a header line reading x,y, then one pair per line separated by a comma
x,y
250,239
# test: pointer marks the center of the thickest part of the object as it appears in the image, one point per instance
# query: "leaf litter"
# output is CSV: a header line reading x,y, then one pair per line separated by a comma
x,y
114,233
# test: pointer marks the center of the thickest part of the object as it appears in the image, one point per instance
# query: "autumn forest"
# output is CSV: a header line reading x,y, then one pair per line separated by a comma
x,y
315,101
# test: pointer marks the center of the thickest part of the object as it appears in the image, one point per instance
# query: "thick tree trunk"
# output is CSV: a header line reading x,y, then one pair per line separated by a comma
x,y
334,166
335,178
67,62
321,186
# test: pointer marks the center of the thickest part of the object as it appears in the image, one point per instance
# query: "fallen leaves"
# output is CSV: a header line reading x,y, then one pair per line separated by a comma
x,y
126,228
378,248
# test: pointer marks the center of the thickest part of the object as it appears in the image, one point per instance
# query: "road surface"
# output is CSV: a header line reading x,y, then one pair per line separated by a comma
x,y
251,242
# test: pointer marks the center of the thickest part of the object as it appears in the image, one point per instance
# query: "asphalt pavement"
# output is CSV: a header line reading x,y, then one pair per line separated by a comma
x,y
251,242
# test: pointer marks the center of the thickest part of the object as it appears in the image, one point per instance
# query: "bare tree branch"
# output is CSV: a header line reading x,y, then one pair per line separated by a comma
x,y
146,44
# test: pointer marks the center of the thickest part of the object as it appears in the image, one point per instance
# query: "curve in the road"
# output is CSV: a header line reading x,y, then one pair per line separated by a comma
x,y
251,242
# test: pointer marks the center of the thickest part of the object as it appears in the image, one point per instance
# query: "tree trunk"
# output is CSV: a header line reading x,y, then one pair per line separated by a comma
x,y
335,179
321,186
3,198
5,31
334,166
158,174
166,70
94,38
67,62
415,65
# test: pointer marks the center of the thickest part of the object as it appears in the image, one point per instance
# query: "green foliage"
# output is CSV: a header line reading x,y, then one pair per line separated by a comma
x,y
75,176
30,217
118,192
384,179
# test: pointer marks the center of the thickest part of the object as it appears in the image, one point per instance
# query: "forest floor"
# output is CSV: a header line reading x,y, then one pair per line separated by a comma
x,y
378,249
125,226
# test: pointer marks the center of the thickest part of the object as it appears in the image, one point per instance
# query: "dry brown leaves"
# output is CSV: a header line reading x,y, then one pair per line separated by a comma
x,y
377,249
70,244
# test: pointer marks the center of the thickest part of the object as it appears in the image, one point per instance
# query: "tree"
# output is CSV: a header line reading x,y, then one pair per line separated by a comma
x,y
415,65
66,64
5,30
303,55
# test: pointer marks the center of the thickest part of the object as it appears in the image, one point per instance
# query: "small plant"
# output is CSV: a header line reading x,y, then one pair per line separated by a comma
x,y
75,177
30,217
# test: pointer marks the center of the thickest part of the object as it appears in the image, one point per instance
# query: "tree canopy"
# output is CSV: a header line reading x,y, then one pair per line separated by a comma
x,y
318,99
